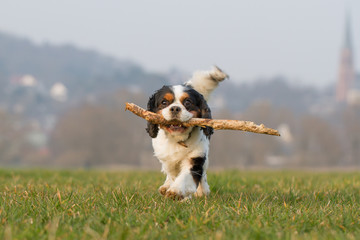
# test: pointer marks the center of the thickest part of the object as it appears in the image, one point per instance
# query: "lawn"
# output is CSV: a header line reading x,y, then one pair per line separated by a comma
x,y
51,204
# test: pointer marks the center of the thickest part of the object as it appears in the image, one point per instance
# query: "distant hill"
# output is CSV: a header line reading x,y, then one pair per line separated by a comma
x,y
82,71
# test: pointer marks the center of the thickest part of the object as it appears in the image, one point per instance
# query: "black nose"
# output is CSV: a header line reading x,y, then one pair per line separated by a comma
x,y
175,109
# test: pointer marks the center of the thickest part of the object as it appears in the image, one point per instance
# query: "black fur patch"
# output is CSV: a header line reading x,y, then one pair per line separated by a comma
x,y
201,106
154,105
197,169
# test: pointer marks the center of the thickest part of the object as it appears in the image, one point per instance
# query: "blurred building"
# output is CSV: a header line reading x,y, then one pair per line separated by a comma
x,y
346,77
59,92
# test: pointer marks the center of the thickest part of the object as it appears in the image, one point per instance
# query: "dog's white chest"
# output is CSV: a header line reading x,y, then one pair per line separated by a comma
x,y
168,150
171,154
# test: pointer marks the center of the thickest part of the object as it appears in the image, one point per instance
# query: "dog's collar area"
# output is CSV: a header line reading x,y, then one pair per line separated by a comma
x,y
183,143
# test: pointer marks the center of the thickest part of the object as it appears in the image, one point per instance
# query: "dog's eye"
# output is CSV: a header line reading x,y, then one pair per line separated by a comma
x,y
164,102
187,102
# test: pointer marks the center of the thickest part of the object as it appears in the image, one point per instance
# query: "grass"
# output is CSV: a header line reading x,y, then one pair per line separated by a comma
x,y
41,204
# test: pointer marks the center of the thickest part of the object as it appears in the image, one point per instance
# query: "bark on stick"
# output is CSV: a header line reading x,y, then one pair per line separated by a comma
x,y
217,124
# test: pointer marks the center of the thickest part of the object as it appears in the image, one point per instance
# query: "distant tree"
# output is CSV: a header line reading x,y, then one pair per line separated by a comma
x,y
101,134
230,148
13,144
261,147
227,148
318,143
352,134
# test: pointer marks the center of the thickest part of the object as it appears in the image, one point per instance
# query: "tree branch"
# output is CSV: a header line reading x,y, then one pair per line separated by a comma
x,y
217,124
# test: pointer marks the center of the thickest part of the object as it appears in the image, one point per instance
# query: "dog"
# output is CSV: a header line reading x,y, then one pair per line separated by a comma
x,y
183,151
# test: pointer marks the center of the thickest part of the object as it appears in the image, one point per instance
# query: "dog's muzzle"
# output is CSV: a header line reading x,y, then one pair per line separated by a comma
x,y
175,111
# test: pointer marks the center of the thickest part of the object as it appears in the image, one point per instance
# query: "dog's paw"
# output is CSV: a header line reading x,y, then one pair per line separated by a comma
x,y
217,74
174,195
181,190
162,190
202,191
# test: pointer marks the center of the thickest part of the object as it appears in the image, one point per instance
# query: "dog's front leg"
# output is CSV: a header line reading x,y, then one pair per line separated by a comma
x,y
184,185
163,188
203,188
188,180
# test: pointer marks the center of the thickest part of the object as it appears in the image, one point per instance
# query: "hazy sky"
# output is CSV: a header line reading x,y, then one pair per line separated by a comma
x,y
249,39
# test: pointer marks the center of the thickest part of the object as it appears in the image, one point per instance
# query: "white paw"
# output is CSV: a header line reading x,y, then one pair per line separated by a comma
x,y
182,191
203,190
217,74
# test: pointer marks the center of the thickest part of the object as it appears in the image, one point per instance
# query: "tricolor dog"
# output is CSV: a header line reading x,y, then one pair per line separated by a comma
x,y
183,151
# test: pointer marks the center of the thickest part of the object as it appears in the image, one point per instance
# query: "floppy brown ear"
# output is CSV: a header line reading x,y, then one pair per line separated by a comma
x,y
152,129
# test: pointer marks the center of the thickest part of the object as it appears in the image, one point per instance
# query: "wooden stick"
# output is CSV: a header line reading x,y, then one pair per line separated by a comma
x,y
217,124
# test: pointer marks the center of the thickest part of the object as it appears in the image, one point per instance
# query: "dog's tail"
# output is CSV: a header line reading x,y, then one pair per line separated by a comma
x,y
205,82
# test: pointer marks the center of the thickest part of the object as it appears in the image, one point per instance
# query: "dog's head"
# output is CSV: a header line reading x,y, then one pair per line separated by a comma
x,y
179,103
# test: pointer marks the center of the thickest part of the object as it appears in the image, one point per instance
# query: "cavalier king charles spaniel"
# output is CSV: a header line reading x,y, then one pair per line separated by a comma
x,y
183,151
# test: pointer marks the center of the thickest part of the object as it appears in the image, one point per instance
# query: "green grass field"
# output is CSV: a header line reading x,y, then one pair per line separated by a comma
x,y
41,204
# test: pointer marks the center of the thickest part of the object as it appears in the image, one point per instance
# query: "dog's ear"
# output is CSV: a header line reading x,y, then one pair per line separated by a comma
x,y
205,113
152,129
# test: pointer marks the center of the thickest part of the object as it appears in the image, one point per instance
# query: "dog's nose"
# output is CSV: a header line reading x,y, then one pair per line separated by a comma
x,y
175,109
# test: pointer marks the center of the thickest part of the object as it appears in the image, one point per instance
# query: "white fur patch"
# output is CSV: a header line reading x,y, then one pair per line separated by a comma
x,y
205,82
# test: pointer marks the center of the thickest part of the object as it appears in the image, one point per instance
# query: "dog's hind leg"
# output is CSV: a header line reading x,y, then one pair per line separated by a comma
x,y
205,82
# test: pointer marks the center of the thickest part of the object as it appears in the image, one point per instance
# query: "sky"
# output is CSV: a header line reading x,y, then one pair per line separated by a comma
x,y
250,40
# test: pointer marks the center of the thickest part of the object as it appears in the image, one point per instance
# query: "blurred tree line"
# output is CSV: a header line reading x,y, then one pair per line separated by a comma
x,y
101,134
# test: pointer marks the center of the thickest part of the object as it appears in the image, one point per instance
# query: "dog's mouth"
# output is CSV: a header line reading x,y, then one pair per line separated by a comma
x,y
178,128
